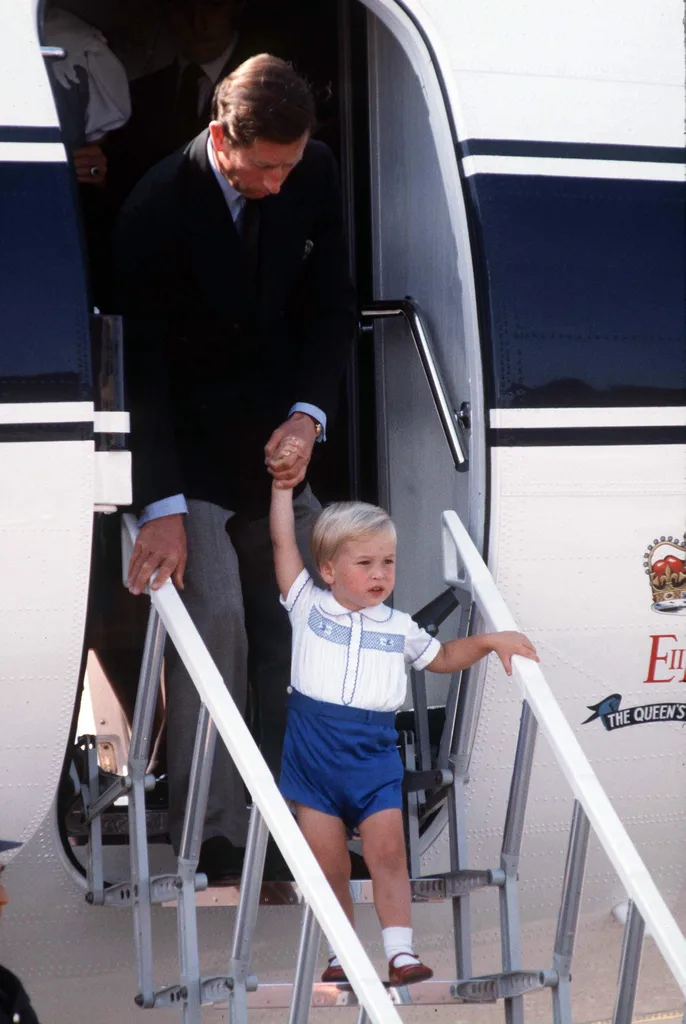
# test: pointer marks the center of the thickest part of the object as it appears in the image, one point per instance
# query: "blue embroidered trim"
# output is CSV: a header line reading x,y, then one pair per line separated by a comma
x,y
423,652
357,667
293,602
391,643
328,630
389,616
347,661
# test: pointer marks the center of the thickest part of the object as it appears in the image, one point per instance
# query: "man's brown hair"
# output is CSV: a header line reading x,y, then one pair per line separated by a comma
x,y
266,99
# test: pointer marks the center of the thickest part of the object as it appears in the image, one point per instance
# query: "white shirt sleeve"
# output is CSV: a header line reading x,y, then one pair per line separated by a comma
x,y
420,648
109,103
299,599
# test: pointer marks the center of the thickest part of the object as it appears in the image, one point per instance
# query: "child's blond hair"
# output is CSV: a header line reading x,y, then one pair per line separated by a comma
x,y
343,521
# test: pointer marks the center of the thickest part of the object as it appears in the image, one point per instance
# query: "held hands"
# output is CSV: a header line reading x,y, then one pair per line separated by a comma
x,y
289,450
508,643
161,544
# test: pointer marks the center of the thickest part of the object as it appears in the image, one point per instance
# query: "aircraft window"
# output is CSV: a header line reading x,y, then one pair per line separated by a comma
x,y
569,253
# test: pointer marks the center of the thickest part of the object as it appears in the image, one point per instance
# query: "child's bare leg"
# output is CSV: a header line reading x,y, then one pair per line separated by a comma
x,y
383,848
326,837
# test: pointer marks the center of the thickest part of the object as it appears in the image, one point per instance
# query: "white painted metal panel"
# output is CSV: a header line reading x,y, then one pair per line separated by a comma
x,y
46,516
25,97
587,72
569,530
419,249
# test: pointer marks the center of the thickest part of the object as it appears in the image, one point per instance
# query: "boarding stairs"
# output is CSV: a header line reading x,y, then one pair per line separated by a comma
x,y
435,776
428,782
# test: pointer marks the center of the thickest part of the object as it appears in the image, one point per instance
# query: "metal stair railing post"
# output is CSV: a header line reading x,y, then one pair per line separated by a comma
x,y
189,854
509,856
303,983
463,567
457,833
627,982
139,755
90,793
421,723
266,796
463,711
568,918
246,918
412,806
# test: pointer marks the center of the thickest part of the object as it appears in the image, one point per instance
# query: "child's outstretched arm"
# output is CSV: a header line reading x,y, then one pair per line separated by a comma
x,y
287,560
459,654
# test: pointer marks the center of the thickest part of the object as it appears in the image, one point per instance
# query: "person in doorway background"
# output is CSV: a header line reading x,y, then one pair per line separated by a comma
x,y
93,103
171,105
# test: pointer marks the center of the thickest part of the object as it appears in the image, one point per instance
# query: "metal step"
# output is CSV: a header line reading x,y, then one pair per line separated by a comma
x,y
488,989
433,889
115,827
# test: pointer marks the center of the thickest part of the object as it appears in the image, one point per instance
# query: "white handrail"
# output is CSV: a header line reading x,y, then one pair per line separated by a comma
x,y
575,766
260,782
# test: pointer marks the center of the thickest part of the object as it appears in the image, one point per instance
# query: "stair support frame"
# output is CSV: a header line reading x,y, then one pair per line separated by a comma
x,y
510,853
306,966
568,918
139,755
189,854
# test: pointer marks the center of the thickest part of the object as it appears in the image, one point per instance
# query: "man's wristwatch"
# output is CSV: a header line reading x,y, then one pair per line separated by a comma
x,y
318,428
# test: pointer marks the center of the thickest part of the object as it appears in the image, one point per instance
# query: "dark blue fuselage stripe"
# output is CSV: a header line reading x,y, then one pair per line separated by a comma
x,y
15,432
573,150
29,133
551,437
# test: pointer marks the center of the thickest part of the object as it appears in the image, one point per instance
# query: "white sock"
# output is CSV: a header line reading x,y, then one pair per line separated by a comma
x,y
399,940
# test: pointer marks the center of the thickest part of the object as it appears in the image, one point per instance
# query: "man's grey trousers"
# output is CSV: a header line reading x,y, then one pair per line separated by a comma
x,y
231,594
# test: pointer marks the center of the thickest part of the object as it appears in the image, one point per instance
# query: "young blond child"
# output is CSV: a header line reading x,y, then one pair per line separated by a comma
x,y
341,767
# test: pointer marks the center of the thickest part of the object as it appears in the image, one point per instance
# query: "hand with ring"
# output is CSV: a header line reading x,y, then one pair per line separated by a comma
x,y
289,450
90,164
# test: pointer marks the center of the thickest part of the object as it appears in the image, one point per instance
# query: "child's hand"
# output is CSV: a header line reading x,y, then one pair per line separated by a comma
x,y
508,643
284,462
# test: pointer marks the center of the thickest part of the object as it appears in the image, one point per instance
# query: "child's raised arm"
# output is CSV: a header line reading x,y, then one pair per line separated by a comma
x,y
287,560
459,654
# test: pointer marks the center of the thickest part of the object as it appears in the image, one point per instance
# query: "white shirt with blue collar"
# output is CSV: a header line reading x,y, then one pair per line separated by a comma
x,y
357,659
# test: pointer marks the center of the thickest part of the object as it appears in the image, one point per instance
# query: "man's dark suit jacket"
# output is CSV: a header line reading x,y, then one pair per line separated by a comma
x,y
211,372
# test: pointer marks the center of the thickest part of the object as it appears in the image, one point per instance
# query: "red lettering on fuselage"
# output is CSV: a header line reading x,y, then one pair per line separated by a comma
x,y
672,659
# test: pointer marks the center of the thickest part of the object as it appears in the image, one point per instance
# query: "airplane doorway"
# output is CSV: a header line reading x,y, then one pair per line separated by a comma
x,y
327,43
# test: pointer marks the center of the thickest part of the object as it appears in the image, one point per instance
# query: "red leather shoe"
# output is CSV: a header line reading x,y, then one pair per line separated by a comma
x,y
410,974
335,975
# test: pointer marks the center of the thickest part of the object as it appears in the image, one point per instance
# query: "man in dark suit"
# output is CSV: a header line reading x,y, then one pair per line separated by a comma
x,y
239,316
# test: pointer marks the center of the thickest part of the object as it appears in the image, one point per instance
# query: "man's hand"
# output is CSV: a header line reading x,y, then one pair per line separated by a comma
x,y
289,450
161,544
90,164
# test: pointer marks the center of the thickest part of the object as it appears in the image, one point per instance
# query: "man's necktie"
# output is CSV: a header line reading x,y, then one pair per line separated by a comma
x,y
249,230
187,120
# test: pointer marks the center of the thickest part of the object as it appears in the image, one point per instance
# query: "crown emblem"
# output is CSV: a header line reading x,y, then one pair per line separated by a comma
x,y
665,566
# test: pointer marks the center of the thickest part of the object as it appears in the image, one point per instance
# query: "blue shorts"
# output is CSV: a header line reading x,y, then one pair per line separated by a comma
x,y
340,760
